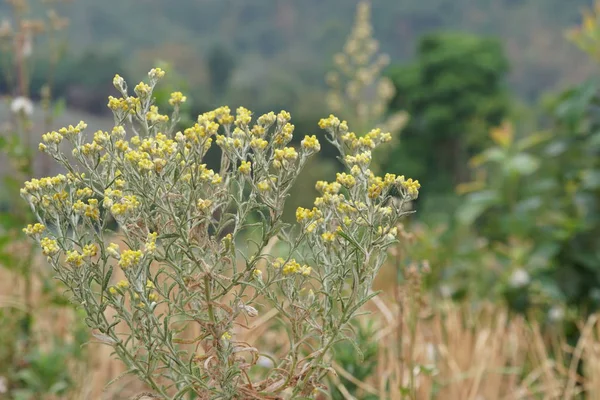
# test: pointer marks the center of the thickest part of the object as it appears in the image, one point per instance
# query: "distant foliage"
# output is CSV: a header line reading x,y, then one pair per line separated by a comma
x,y
454,92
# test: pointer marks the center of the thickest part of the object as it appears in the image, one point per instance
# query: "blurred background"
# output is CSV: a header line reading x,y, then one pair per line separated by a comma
x,y
493,106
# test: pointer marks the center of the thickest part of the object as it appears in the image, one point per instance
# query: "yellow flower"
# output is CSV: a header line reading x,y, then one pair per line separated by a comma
x,y
245,167
345,180
329,123
243,117
226,336
177,98
112,290
85,192
49,246
130,258
74,258
142,90
311,143
33,230
113,250
258,144
151,243
123,284
412,187
263,186
328,236
203,205
90,250
156,73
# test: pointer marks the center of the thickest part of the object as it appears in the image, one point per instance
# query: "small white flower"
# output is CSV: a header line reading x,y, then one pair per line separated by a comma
x,y
22,104
556,313
519,278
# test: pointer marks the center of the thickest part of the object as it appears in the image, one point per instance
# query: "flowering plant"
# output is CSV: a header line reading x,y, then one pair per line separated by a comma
x,y
182,226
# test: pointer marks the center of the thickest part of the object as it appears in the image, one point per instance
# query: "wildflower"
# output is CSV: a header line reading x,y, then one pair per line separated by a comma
x,y
153,297
245,167
257,273
142,90
113,250
226,336
303,214
52,137
328,236
90,250
412,187
34,230
203,205
74,258
85,192
258,144
130,258
345,180
263,186
243,117
291,267
126,205
118,82
156,74
123,284
151,243
329,123
311,143
113,290
49,246
177,98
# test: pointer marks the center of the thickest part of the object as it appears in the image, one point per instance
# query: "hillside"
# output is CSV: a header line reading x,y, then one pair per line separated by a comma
x,y
268,36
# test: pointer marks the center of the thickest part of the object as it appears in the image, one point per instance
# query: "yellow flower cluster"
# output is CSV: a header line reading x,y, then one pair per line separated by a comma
x,y
177,98
90,209
311,143
333,122
130,258
208,175
304,214
129,104
258,144
156,74
412,187
345,179
153,116
328,236
84,192
243,117
285,134
49,246
120,286
126,205
245,167
142,90
151,243
74,258
34,230
90,250
203,205
291,267
35,185
263,185
113,250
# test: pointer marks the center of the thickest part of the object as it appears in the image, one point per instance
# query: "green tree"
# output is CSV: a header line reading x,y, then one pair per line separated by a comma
x,y
454,92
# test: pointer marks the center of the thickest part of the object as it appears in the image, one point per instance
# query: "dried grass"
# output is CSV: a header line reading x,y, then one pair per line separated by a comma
x,y
474,353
